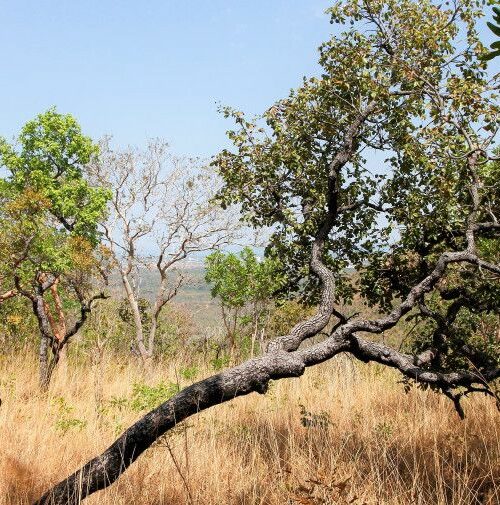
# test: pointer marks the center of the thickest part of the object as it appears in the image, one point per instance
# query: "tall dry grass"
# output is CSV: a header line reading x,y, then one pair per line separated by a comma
x,y
343,433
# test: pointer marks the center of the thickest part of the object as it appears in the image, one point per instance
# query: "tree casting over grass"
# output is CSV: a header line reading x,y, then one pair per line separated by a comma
x,y
383,163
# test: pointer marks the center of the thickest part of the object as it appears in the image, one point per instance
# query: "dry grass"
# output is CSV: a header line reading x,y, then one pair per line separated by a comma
x,y
357,439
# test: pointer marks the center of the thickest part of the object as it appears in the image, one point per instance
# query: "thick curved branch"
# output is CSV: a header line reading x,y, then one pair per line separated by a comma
x,y
411,366
418,291
318,322
254,376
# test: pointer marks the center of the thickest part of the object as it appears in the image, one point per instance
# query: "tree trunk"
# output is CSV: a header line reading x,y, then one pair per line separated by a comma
x,y
48,362
43,359
136,314
47,359
102,471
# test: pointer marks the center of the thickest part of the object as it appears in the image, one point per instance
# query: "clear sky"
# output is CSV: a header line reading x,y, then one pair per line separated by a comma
x,y
154,68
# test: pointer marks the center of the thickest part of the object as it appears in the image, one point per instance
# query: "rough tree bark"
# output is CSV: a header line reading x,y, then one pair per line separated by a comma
x,y
285,357
254,376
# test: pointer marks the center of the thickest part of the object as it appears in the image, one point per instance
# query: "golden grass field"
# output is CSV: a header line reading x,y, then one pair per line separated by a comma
x,y
357,439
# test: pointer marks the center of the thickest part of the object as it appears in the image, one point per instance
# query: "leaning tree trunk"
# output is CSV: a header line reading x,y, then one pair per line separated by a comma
x,y
102,471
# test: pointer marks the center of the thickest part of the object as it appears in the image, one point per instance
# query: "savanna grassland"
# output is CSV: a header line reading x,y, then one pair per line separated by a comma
x,y
354,220
343,433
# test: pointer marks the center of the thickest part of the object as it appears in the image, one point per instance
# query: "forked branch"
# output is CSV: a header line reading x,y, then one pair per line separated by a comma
x,y
255,374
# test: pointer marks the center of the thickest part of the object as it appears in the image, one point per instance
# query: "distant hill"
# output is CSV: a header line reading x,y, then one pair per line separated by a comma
x,y
194,294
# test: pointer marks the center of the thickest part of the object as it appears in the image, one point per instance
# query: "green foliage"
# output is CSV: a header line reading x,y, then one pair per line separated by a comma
x,y
18,327
189,373
49,162
110,325
495,28
176,328
48,211
286,315
220,361
118,402
245,286
239,279
145,397
417,68
383,430
144,308
66,424
466,313
65,420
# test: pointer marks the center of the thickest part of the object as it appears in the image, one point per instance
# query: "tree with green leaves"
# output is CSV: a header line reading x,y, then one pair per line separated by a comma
x,y
48,221
244,285
384,163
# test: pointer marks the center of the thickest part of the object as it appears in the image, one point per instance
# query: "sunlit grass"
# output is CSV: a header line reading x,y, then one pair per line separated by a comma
x,y
342,433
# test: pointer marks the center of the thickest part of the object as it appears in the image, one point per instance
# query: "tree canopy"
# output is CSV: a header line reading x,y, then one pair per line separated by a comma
x,y
241,278
384,158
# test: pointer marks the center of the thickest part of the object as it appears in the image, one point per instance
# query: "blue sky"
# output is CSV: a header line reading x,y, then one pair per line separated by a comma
x,y
155,68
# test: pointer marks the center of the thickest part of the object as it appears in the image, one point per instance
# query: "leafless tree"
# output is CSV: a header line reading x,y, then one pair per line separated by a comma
x,y
160,214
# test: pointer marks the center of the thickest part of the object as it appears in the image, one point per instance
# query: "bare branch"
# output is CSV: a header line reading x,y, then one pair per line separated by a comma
x,y
161,213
